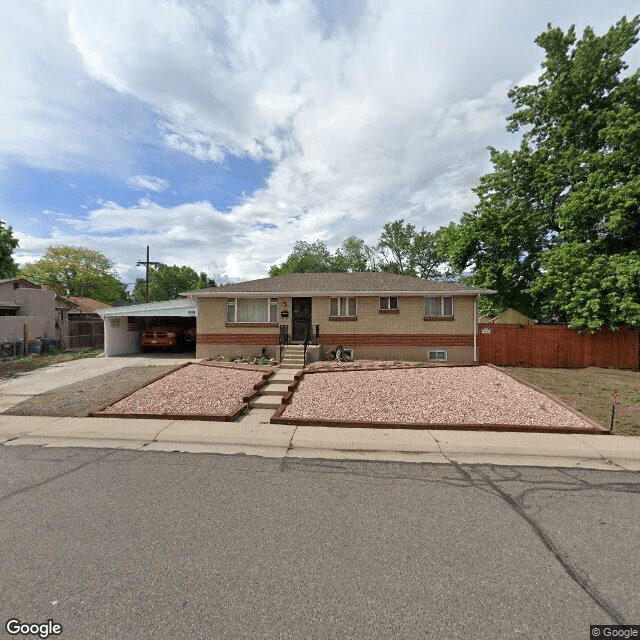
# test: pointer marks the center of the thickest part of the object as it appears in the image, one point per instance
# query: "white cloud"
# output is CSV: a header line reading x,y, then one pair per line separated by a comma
x,y
369,111
148,183
53,115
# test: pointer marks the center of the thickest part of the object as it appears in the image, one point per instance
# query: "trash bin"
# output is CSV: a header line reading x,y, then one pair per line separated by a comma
x,y
35,346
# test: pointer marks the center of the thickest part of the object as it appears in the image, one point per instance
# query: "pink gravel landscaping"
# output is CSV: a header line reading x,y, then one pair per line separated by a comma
x,y
196,389
438,395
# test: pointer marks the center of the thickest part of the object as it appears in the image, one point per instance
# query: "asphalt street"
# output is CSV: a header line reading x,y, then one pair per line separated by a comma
x,y
132,545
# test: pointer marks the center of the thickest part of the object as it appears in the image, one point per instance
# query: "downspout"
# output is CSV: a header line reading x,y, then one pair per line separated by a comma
x,y
475,329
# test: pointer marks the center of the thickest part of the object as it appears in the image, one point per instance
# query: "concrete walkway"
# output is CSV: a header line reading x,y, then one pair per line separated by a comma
x,y
253,435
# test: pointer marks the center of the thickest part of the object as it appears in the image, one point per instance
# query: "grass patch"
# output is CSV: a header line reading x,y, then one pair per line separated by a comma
x,y
592,391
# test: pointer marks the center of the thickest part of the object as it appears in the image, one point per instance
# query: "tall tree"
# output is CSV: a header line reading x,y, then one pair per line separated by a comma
x,y
8,267
77,271
410,252
306,258
354,254
167,282
557,226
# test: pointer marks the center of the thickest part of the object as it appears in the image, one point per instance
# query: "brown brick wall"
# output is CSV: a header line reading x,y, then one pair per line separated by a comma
x,y
402,352
408,339
408,320
238,338
405,334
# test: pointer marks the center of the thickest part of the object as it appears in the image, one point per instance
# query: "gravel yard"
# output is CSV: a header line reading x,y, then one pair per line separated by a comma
x,y
444,395
196,389
79,399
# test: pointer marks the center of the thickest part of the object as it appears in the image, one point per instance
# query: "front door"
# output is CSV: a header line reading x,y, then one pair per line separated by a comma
x,y
300,318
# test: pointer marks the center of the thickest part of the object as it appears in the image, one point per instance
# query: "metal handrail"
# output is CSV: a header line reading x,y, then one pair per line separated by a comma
x,y
307,339
283,338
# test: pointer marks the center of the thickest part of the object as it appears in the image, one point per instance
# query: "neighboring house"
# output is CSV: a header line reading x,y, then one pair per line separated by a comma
x,y
28,310
85,308
377,315
510,316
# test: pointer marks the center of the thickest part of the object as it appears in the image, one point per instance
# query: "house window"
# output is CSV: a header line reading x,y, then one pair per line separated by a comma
x,y
437,355
345,307
389,303
252,310
440,307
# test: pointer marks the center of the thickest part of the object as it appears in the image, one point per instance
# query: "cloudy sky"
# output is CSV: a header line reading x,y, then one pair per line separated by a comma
x,y
221,132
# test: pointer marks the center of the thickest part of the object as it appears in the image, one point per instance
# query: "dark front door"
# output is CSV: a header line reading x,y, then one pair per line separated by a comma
x,y
300,318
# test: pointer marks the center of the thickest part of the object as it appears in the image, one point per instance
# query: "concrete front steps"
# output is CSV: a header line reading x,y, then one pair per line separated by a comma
x,y
271,394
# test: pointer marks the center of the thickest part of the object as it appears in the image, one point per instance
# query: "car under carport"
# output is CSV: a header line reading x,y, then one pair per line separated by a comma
x,y
123,326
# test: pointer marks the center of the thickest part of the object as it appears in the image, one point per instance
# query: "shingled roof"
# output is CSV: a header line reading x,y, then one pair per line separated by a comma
x,y
87,305
318,284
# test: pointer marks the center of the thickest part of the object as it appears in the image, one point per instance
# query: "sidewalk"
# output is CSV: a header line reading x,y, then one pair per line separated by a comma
x,y
253,435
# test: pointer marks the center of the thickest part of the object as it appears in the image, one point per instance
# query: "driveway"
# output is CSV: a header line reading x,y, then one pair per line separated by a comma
x,y
30,383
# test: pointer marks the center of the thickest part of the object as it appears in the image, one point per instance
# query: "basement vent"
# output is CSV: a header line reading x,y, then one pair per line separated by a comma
x,y
437,355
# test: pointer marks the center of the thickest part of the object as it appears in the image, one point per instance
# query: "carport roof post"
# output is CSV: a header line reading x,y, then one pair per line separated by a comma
x,y
185,307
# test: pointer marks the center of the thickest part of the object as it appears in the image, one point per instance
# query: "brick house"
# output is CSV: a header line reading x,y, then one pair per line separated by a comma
x,y
377,315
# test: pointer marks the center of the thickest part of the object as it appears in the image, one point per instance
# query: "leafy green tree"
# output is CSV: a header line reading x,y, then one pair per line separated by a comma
x,y
557,226
8,267
77,271
354,254
410,252
306,258
167,282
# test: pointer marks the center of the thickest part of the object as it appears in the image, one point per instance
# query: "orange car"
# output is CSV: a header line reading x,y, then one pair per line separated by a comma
x,y
162,337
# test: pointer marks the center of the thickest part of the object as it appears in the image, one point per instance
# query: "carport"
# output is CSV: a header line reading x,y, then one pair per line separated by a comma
x,y
123,326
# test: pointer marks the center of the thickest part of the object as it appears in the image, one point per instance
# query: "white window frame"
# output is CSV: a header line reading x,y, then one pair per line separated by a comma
x,y
441,313
434,351
343,307
389,307
272,305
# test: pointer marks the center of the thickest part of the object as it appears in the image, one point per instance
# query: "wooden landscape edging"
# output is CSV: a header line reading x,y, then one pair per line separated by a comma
x,y
277,417
225,417
256,387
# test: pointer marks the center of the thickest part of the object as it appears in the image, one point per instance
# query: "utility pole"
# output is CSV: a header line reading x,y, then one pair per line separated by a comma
x,y
146,283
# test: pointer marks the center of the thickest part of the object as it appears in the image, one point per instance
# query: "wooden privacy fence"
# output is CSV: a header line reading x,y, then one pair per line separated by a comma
x,y
86,333
515,345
